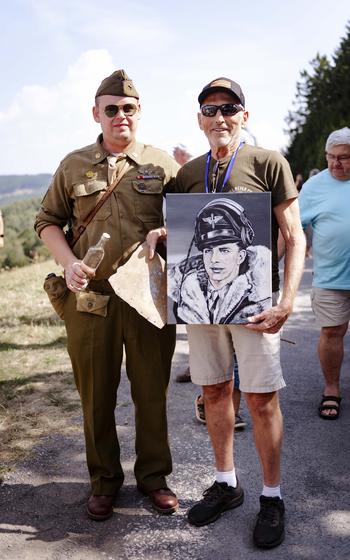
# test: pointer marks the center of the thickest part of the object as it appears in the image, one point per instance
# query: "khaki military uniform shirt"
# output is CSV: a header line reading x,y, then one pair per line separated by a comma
x,y
129,213
255,170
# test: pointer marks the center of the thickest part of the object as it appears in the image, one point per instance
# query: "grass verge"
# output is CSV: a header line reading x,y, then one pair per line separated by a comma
x,y
37,393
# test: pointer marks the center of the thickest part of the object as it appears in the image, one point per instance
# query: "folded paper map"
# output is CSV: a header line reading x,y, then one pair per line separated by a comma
x,y
141,282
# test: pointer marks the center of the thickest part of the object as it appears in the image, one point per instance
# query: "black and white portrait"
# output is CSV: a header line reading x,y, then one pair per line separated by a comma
x,y
219,257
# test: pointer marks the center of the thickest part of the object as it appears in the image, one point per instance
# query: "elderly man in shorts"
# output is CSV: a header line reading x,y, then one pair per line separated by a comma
x,y
324,204
232,165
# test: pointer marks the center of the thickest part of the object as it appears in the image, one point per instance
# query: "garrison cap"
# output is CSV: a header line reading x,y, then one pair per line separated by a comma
x,y
222,84
222,221
117,83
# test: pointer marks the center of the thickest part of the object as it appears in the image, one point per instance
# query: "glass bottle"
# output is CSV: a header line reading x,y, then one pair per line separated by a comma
x,y
95,253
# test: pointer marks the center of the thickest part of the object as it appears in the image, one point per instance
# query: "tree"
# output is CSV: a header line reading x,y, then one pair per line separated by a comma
x,y
22,246
321,106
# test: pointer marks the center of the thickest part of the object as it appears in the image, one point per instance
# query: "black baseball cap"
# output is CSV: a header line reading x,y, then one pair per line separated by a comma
x,y
222,84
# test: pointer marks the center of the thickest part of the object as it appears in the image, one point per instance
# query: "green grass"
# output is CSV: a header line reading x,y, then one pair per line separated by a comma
x,y
37,393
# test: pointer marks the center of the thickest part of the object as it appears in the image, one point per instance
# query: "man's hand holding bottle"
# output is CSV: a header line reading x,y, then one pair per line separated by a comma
x,y
79,273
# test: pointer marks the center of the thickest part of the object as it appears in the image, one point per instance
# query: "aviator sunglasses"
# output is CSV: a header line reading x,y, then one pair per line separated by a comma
x,y
129,109
227,109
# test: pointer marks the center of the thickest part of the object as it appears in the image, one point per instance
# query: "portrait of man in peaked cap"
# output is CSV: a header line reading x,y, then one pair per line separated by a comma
x,y
224,275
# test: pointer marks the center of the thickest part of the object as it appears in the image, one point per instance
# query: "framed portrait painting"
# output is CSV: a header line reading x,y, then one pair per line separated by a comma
x,y
219,257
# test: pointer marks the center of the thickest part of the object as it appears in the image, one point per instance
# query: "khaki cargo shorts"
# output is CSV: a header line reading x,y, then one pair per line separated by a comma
x,y
258,356
331,307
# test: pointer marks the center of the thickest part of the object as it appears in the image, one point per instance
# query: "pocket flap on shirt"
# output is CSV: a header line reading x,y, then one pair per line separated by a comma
x,y
145,186
89,187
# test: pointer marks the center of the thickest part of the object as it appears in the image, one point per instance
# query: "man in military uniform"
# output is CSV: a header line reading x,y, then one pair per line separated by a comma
x,y
97,334
232,165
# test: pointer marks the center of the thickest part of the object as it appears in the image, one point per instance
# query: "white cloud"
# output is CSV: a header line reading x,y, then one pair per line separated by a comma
x,y
170,51
44,123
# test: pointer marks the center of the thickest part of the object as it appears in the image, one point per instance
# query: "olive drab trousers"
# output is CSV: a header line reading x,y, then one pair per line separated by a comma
x,y
95,346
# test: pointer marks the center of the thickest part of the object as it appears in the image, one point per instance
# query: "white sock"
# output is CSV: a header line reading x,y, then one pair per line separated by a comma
x,y
227,476
271,491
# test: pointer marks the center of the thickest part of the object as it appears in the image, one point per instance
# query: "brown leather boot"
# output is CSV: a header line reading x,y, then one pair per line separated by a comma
x,y
163,500
100,508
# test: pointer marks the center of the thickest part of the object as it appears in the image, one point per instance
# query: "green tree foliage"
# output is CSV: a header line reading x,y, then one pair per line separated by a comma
x,y
22,246
321,105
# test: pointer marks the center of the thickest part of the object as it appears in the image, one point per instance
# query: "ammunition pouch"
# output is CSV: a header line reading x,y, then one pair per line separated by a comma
x,y
92,302
57,291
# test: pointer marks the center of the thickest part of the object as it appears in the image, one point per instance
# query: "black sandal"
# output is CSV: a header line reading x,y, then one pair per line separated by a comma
x,y
322,407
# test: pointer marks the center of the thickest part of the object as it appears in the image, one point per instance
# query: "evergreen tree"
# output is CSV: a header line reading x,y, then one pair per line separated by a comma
x,y
341,84
321,106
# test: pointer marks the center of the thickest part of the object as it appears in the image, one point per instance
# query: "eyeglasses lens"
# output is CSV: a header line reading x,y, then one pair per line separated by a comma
x,y
227,109
129,109
339,159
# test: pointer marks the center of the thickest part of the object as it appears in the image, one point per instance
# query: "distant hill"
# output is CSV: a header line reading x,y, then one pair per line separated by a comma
x,y
20,187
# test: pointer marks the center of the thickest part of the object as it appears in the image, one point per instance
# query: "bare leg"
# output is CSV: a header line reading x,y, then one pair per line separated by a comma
x,y
331,353
236,399
220,418
268,433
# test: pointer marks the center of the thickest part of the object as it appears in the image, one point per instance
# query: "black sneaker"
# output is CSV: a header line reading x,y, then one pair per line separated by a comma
x,y
216,499
269,527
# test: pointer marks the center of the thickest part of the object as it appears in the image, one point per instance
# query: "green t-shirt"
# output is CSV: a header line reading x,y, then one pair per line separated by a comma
x,y
255,170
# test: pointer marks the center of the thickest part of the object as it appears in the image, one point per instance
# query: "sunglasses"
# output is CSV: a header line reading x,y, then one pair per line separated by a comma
x,y
227,109
129,109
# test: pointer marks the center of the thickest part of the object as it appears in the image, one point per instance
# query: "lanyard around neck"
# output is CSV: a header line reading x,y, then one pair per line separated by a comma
x,y
228,170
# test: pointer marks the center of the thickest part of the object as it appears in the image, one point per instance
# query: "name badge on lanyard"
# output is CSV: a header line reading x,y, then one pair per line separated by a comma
x,y
228,170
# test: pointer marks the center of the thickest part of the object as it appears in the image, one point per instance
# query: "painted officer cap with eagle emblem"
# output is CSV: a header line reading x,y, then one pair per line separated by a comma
x,y
222,221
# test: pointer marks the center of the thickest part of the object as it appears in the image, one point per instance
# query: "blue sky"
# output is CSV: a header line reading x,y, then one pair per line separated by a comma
x,y
54,54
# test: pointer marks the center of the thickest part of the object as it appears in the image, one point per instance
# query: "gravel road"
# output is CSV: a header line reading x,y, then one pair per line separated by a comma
x,y
42,513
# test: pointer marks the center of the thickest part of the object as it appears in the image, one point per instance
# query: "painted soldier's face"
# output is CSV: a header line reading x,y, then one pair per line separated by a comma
x,y
118,130
222,263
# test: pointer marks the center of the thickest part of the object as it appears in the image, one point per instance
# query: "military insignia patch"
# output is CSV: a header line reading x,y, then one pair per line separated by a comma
x,y
212,221
145,173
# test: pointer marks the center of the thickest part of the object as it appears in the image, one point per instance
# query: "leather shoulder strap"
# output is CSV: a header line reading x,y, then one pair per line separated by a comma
x,y
93,212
